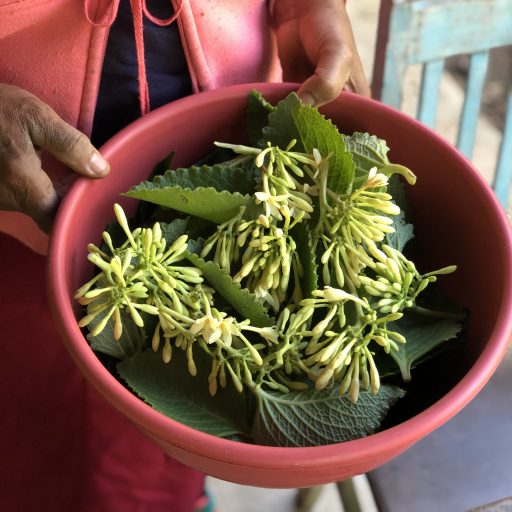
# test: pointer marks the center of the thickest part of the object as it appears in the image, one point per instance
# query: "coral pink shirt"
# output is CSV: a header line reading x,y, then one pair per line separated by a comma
x,y
55,49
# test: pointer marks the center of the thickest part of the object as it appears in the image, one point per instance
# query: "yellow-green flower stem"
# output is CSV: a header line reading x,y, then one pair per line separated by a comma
x,y
223,242
268,261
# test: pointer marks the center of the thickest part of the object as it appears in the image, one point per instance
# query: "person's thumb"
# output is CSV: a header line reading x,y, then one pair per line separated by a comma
x,y
72,147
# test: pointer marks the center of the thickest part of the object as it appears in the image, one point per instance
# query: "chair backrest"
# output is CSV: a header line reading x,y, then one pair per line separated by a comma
x,y
427,32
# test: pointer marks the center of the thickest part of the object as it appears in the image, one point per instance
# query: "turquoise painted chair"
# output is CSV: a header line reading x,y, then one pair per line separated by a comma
x,y
427,32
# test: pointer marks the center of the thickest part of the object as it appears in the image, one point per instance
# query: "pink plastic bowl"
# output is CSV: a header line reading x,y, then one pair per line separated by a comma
x,y
457,220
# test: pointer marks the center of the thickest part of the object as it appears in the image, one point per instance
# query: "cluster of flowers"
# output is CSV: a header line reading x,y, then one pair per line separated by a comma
x,y
269,256
367,284
144,276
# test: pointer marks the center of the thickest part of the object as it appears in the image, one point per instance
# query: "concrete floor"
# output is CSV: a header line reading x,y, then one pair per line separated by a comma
x,y
466,462
231,497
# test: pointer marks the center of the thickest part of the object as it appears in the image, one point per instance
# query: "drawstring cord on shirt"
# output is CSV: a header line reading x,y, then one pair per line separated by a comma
x,y
139,10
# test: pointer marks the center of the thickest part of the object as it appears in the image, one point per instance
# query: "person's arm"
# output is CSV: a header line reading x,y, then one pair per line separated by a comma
x,y
316,47
28,126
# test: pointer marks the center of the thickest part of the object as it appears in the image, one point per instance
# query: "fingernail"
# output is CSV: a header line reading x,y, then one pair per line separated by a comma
x,y
97,164
307,99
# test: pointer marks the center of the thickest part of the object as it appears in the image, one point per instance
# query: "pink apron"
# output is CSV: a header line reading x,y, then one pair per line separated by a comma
x,y
62,447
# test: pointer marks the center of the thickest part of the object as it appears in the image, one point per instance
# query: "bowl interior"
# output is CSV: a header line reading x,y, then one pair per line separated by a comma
x,y
456,218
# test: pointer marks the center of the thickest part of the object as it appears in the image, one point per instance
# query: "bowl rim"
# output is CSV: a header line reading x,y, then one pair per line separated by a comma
x,y
230,452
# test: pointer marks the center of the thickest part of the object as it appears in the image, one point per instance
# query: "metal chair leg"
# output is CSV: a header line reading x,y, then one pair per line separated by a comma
x,y
348,496
306,498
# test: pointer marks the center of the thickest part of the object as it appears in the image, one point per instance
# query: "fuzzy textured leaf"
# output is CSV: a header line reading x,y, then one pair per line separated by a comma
x,y
312,418
173,230
294,120
246,303
144,209
258,109
368,151
219,177
423,335
212,193
170,389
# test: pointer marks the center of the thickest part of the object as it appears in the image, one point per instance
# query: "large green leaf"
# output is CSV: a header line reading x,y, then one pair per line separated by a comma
x,y
212,193
219,177
312,418
170,389
294,120
144,209
246,303
423,334
258,109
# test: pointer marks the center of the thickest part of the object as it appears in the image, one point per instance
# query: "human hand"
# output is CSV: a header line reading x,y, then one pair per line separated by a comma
x,y
28,126
316,47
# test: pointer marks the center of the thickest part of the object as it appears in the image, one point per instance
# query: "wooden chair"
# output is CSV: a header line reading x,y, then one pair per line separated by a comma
x,y
427,32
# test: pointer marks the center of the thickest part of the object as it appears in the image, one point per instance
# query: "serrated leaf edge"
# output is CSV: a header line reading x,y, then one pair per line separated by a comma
x,y
269,321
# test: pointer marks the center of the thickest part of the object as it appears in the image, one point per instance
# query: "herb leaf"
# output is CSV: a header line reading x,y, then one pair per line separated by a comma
x,y
423,335
219,177
312,418
302,236
404,231
133,338
367,151
294,120
258,109
212,193
173,230
246,303
170,389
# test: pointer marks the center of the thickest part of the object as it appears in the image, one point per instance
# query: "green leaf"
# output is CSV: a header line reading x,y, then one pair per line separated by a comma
x,y
258,109
294,120
219,177
133,338
146,210
404,231
312,418
212,193
216,156
423,335
367,151
246,303
302,237
173,230
170,389
195,246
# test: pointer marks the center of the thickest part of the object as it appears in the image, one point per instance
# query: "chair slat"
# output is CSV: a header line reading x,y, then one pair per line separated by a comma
x,y
471,109
503,177
432,29
431,80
